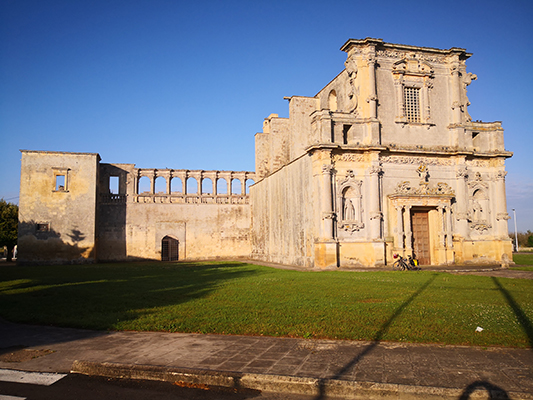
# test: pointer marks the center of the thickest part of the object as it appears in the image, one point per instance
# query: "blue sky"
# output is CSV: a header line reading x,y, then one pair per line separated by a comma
x,y
182,84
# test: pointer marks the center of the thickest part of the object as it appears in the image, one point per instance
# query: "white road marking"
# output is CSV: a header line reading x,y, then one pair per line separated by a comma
x,y
33,378
3,397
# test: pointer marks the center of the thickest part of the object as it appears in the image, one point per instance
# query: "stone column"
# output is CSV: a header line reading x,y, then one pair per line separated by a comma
x,y
462,204
327,203
399,228
215,181
152,182
501,206
442,233
169,179
200,180
408,231
243,186
184,182
449,231
372,98
375,204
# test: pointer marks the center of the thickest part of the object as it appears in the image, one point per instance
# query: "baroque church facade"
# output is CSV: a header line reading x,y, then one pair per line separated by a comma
x,y
384,160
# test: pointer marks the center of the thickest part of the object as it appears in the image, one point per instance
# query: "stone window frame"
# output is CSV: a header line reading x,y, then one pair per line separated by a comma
x,y
60,171
421,78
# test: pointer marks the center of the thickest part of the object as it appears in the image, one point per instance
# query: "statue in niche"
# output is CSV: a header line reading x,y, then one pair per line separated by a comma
x,y
350,201
353,91
477,211
349,210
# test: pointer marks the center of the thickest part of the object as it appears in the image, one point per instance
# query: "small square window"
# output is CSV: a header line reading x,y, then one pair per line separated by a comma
x,y
44,227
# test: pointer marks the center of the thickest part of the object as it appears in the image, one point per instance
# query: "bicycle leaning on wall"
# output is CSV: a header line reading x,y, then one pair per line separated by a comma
x,y
403,264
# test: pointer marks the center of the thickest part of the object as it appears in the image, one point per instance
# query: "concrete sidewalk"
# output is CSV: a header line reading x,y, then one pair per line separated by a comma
x,y
321,368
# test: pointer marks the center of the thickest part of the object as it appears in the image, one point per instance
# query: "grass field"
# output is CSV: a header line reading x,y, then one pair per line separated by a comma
x,y
235,298
524,261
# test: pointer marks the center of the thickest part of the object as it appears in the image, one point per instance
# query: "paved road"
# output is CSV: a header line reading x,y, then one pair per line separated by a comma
x,y
17,385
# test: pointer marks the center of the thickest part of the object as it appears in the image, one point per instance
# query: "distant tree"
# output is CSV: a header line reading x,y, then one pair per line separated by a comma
x,y
9,216
525,239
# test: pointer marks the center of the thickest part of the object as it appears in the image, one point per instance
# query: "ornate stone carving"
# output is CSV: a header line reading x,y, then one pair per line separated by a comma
x,y
352,226
468,78
353,91
412,66
349,157
327,168
376,170
405,188
376,215
423,172
477,183
415,160
481,227
402,54
478,163
329,215
462,173
501,216
501,174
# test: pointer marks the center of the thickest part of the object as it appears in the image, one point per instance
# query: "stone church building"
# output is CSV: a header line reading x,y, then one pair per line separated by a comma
x,y
384,159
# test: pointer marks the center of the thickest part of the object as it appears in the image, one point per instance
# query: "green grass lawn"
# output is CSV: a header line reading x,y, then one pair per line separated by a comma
x,y
235,298
524,261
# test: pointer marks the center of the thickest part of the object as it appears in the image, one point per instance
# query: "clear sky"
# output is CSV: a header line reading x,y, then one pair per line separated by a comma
x,y
187,84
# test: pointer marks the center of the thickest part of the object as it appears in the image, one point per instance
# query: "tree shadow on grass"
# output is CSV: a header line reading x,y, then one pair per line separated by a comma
x,y
378,337
102,296
522,318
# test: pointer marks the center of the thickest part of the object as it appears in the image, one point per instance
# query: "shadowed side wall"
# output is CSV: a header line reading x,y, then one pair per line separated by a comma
x,y
57,218
204,231
282,216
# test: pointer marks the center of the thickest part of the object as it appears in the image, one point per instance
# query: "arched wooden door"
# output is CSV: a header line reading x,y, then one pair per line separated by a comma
x,y
169,249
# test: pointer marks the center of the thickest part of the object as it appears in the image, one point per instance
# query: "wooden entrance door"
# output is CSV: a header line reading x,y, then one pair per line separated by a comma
x,y
169,249
420,226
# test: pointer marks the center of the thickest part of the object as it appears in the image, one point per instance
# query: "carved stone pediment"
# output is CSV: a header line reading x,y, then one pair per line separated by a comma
x,y
409,66
424,189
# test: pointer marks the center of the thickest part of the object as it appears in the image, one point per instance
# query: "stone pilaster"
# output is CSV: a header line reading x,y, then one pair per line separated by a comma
x,y
375,204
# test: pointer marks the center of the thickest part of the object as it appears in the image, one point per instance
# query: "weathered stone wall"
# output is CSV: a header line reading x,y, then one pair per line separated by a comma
x,y
204,231
283,227
206,225
57,224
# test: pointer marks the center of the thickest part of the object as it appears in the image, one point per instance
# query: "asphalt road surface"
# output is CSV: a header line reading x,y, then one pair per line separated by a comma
x,y
15,385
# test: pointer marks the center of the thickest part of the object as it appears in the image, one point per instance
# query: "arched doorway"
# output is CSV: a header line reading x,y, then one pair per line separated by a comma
x,y
169,249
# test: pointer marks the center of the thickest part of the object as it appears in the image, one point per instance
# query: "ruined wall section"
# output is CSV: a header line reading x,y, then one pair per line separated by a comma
x,y
57,218
207,224
301,134
283,229
204,231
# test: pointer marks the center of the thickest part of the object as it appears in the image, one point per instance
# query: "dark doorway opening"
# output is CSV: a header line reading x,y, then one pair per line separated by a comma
x,y
169,249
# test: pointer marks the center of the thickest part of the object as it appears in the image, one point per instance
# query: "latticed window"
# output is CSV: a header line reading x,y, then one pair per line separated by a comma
x,y
411,97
